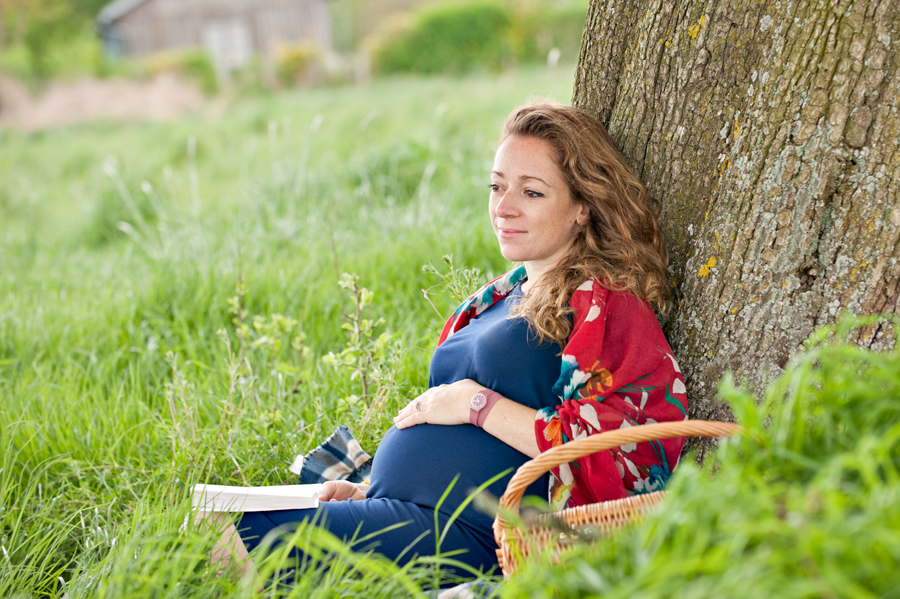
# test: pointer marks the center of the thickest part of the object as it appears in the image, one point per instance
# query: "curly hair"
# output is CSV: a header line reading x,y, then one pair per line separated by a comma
x,y
621,247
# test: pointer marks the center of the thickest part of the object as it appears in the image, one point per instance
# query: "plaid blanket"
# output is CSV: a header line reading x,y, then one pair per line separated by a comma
x,y
340,457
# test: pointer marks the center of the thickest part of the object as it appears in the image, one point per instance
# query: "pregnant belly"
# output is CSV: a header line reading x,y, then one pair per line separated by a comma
x,y
419,463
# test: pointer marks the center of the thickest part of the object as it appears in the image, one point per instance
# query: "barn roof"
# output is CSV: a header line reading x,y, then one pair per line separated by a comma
x,y
114,11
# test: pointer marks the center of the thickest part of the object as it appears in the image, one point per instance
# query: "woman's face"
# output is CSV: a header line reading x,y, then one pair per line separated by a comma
x,y
532,212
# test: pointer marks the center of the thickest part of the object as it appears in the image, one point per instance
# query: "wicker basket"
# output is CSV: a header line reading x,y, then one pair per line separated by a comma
x,y
594,519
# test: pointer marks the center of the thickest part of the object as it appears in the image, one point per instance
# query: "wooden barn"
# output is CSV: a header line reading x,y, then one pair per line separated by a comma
x,y
231,30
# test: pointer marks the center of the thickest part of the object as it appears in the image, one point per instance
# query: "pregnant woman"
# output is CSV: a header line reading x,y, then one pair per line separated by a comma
x,y
562,347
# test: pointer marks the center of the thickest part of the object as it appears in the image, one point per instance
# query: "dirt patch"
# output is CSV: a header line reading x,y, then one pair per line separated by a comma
x,y
166,96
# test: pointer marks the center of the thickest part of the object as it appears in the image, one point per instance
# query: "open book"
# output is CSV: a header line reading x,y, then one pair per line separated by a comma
x,y
223,498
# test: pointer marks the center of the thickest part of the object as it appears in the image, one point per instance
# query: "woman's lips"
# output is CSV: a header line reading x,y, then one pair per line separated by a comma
x,y
509,233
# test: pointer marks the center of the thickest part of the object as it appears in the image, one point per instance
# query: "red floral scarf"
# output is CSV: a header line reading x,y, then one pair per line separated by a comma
x,y
617,371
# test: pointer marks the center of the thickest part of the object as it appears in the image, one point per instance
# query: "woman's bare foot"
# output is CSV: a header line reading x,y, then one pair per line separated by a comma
x,y
229,553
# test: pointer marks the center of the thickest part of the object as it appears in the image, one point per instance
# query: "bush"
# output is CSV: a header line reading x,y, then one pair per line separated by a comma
x,y
194,64
77,55
803,505
50,25
450,38
294,62
447,38
540,27
15,61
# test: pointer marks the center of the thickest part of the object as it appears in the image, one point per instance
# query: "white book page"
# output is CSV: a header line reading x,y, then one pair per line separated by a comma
x,y
225,498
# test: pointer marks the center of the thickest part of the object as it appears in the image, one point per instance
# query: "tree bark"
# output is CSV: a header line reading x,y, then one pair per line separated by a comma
x,y
769,132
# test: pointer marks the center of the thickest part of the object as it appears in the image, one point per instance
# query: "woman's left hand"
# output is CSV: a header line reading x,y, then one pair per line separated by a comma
x,y
445,404
342,490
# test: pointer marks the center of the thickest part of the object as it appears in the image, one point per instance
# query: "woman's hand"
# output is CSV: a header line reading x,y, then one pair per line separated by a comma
x,y
446,404
342,490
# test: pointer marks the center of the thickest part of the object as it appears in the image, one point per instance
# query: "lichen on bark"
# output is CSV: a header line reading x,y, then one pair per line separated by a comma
x,y
768,131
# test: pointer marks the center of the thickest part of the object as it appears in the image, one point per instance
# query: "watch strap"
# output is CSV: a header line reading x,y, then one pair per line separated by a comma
x,y
473,413
492,398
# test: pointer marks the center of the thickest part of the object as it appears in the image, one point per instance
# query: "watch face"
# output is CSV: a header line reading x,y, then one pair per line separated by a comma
x,y
478,401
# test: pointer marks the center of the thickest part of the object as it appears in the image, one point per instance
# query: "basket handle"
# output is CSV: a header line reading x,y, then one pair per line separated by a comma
x,y
533,469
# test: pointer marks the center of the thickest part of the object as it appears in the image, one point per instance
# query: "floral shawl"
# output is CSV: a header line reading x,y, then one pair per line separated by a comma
x,y
617,371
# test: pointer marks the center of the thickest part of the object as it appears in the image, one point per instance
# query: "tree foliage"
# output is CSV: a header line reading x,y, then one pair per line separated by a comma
x,y
43,24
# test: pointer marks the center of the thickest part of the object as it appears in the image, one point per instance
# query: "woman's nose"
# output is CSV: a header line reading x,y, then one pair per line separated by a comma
x,y
506,206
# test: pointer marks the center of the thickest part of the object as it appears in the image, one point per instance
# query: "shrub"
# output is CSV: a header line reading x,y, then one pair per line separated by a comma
x,y
194,64
15,61
50,23
294,62
447,38
450,38
540,27
77,55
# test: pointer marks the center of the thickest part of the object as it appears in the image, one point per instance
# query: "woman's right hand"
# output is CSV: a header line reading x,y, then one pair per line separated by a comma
x,y
342,490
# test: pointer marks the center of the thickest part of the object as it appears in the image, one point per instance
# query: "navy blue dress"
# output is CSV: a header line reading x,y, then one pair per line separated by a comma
x,y
413,467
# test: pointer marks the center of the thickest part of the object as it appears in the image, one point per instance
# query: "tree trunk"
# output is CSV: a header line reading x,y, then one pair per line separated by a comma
x,y
770,134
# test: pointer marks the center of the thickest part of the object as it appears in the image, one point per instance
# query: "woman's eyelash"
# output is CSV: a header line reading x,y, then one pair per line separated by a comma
x,y
529,192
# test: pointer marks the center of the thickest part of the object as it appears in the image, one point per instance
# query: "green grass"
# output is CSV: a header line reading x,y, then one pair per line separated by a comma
x,y
121,243
123,381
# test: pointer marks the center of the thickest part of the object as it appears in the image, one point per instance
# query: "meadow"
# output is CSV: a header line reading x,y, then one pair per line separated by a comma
x,y
178,304
169,291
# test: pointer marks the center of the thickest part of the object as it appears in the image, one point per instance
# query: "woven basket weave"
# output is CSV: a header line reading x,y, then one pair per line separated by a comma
x,y
597,519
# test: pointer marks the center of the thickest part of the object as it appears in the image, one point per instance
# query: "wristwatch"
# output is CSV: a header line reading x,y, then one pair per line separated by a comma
x,y
480,404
